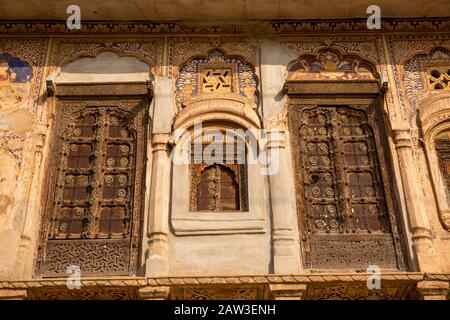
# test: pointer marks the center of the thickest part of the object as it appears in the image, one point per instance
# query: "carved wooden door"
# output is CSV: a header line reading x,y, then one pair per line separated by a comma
x,y
93,210
344,216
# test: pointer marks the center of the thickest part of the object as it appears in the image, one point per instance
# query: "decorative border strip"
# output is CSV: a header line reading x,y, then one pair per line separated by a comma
x,y
274,26
263,279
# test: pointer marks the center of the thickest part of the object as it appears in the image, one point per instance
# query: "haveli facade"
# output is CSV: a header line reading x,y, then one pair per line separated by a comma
x,y
358,120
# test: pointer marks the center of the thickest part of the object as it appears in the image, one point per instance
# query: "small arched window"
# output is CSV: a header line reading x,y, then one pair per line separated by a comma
x,y
442,145
218,189
219,177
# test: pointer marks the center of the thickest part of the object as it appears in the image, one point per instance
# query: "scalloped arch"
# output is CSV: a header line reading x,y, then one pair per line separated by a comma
x,y
332,63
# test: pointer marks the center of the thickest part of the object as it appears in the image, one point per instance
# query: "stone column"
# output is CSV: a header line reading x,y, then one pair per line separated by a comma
x,y
287,291
285,248
157,263
164,109
433,290
420,226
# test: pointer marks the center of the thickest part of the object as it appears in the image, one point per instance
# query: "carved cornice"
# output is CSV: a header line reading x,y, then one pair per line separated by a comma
x,y
395,285
274,26
295,88
231,280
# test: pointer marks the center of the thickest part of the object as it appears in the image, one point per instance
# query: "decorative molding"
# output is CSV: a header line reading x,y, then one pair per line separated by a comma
x,y
148,50
217,107
191,77
433,290
406,25
396,285
181,50
360,25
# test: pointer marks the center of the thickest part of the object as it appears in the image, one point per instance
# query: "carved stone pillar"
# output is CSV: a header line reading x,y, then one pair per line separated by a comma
x,y
158,223
154,293
285,250
433,290
420,226
13,294
287,291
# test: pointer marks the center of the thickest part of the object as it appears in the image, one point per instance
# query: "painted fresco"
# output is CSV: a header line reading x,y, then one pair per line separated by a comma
x,y
15,120
15,81
329,65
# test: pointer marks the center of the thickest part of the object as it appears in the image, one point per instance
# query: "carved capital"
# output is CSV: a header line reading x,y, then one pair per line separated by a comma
x,y
433,290
154,292
161,141
402,139
282,291
275,139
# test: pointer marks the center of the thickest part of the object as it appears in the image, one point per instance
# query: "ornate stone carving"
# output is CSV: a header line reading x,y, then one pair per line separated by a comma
x,y
358,292
277,27
211,293
86,293
196,78
146,50
329,65
366,48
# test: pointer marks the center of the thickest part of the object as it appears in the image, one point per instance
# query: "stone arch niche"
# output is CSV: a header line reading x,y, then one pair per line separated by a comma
x,y
217,73
346,213
94,194
434,120
198,119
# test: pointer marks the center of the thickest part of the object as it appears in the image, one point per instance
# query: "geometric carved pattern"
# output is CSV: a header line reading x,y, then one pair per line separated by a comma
x,y
350,291
85,293
439,77
216,73
344,214
342,251
93,256
216,80
211,293
95,180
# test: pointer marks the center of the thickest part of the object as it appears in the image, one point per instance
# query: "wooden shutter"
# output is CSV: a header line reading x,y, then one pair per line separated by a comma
x,y
342,206
217,189
95,184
